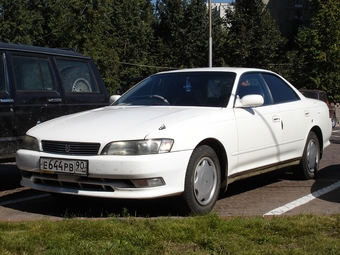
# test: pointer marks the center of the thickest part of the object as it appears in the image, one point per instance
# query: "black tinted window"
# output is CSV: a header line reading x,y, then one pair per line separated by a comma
x,y
77,76
32,74
2,75
280,90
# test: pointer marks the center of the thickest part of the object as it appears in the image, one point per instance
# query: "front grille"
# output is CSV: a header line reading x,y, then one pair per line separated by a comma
x,y
70,148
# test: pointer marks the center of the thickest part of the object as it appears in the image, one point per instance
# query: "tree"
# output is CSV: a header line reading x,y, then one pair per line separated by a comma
x,y
317,64
132,37
113,33
181,31
253,39
21,21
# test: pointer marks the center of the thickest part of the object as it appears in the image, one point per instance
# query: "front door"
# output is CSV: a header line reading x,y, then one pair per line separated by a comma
x,y
259,128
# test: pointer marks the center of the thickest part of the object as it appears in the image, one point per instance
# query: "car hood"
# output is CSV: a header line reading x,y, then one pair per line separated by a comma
x,y
119,123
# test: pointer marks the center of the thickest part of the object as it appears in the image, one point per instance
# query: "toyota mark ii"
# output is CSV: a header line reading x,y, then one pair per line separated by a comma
x,y
185,134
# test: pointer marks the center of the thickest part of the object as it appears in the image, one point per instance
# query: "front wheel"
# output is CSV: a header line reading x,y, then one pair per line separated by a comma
x,y
202,182
309,164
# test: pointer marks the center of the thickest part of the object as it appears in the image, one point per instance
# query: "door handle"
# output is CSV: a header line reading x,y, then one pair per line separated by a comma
x,y
276,119
54,100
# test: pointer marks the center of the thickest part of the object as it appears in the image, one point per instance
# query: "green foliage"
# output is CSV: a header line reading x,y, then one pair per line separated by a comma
x,y
254,40
136,38
317,63
181,31
21,21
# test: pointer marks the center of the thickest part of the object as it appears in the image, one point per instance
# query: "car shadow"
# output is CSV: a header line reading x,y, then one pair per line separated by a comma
x,y
258,181
88,207
9,176
328,182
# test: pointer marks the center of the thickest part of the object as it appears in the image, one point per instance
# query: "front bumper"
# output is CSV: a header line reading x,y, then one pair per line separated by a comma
x,y
109,176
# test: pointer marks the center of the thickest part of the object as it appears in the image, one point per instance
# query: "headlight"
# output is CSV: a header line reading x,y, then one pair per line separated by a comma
x,y
30,143
142,147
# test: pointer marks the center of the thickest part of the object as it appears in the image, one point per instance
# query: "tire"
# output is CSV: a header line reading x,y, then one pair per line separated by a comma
x,y
309,164
76,80
202,182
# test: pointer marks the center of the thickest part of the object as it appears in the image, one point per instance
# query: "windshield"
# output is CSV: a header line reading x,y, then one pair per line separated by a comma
x,y
209,89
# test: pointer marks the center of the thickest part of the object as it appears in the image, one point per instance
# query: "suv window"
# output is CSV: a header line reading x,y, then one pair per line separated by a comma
x,y
280,90
2,75
32,74
76,76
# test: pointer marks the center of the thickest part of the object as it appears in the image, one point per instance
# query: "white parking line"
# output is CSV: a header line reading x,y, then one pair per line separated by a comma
x,y
302,200
23,199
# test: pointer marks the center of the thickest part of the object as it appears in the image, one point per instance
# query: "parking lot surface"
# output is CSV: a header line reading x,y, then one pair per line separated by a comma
x,y
273,194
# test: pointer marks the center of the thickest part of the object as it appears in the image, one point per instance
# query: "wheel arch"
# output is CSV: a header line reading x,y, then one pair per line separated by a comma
x,y
318,132
221,155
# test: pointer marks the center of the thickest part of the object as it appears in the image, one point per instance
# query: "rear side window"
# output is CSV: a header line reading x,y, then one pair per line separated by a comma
x,y
280,90
76,76
32,74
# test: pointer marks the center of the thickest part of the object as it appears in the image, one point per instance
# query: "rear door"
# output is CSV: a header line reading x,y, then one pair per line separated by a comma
x,y
82,85
293,111
8,136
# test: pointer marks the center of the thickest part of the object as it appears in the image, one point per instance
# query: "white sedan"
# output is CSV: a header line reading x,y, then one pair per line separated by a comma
x,y
185,133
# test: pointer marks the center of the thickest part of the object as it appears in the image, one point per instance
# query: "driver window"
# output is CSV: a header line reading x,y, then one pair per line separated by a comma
x,y
252,83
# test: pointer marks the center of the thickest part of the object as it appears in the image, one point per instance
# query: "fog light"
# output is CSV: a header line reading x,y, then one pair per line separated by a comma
x,y
154,182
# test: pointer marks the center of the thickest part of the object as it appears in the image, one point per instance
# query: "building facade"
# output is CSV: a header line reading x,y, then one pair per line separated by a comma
x,y
290,15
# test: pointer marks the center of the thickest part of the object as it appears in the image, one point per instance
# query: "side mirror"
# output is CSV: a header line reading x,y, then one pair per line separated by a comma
x,y
114,98
252,100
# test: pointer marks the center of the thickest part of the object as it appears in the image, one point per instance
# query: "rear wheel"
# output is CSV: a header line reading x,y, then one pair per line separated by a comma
x,y
309,164
202,182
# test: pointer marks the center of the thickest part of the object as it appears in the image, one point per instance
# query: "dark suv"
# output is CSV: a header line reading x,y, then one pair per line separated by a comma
x,y
321,95
38,84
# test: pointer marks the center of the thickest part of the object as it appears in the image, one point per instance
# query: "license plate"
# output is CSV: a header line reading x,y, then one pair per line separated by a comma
x,y
64,166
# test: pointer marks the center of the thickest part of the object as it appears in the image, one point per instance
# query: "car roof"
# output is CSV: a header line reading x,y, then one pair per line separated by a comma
x,y
37,49
238,70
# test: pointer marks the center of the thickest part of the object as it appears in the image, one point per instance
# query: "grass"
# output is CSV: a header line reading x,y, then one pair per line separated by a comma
x,y
209,234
